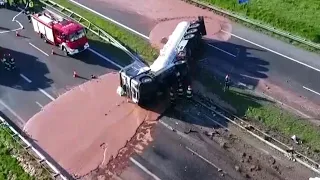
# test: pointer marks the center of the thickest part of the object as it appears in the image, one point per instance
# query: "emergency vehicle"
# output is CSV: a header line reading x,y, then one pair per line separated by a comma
x,y
68,35
143,84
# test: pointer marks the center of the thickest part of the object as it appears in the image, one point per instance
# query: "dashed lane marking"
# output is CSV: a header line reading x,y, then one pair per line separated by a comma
x,y
109,19
315,92
41,106
25,78
46,94
144,169
241,38
273,51
13,112
203,158
40,89
222,50
38,49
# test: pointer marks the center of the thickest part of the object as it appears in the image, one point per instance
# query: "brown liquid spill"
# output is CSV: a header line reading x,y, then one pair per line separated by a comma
x,y
84,127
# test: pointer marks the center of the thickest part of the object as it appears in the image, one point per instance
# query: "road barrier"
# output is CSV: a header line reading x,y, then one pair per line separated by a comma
x,y
257,24
88,25
25,144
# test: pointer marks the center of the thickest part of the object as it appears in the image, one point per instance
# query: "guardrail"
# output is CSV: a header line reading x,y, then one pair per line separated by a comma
x,y
25,144
88,25
258,24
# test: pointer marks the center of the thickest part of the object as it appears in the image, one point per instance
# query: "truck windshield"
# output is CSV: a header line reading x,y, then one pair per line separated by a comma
x,y
77,35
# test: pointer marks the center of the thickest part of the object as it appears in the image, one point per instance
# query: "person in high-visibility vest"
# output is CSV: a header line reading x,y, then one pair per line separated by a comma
x,y
172,96
226,83
189,92
180,90
31,6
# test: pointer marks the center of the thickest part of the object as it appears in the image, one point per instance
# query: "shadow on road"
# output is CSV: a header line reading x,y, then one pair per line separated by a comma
x,y
244,67
245,71
27,63
4,29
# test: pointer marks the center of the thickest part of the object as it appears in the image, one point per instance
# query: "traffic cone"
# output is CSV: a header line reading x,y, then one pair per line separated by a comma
x,y
52,51
75,74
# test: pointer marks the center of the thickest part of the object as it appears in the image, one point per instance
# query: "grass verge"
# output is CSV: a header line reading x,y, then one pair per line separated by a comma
x,y
297,17
15,162
264,112
128,39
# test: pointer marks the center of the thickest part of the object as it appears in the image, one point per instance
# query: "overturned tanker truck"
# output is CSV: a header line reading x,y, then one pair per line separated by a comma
x,y
143,84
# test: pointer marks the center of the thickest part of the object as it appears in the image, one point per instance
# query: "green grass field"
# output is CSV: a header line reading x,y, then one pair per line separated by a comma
x,y
10,167
297,17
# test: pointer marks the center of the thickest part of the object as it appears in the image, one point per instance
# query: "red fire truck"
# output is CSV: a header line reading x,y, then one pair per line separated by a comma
x,y
68,35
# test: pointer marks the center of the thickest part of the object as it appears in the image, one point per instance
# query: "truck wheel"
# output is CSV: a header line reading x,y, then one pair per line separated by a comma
x,y
146,79
189,36
194,25
192,31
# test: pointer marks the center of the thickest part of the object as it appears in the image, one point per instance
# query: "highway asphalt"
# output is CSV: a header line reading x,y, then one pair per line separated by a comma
x,y
23,96
42,76
278,65
180,156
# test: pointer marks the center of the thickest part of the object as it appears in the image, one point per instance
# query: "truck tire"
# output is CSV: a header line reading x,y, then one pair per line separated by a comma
x,y
145,79
192,31
189,36
194,25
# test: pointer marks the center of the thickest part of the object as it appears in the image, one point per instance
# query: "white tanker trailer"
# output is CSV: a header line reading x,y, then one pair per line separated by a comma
x,y
143,84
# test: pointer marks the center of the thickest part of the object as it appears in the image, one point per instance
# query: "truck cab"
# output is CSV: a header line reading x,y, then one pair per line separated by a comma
x,y
68,35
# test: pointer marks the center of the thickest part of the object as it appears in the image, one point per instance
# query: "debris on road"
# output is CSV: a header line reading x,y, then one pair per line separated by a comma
x,y
237,168
295,139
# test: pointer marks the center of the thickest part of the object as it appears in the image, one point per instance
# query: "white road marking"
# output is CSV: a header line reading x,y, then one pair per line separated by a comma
x,y
273,51
144,168
46,94
105,58
25,78
39,104
311,90
12,111
201,157
222,50
38,49
14,19
146,37
41,90
109,19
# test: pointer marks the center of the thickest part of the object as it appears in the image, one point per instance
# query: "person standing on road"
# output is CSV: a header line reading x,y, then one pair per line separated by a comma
x,y
226,83
172,96
189,92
